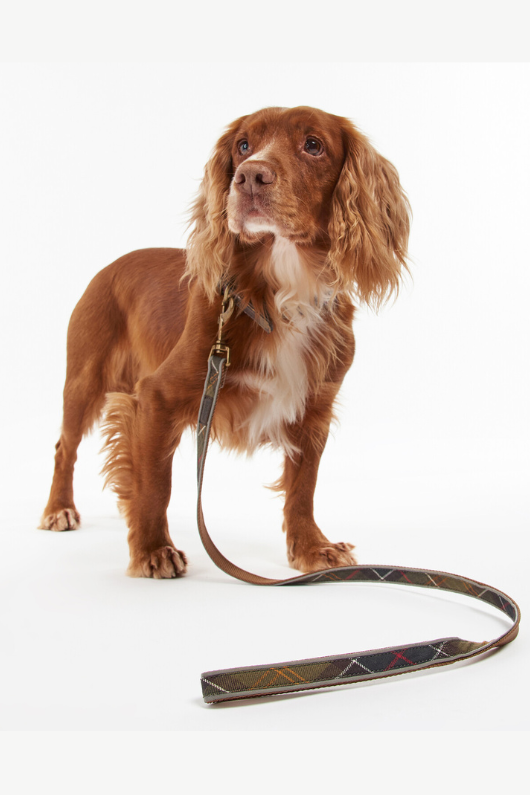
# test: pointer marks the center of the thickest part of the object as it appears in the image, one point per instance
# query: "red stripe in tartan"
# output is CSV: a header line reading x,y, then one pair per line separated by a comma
x,y
398,656
405,577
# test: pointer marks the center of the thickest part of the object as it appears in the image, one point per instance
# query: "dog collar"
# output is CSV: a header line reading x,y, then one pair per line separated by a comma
x,y
227,288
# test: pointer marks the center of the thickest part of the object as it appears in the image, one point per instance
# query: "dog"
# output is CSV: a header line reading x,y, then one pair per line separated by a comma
x,y
298,218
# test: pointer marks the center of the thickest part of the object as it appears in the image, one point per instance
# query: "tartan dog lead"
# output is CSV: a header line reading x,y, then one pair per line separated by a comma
x,y
318,672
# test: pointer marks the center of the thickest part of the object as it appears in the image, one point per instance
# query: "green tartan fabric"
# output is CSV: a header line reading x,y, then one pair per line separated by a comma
x,y
228,288
285,677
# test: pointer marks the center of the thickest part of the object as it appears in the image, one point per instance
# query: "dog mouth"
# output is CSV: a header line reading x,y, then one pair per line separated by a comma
x,y
249,215
255,222
256,216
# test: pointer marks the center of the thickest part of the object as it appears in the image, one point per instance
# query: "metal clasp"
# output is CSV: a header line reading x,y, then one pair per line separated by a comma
x,y
219,347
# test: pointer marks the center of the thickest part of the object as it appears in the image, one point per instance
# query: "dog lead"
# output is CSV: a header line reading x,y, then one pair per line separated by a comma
x,y
287,677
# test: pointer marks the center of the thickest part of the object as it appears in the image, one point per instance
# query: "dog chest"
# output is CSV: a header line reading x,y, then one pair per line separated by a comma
x,y
279,390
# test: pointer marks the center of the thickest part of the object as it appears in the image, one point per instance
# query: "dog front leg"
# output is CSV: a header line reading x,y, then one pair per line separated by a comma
x,y
308,549
142,432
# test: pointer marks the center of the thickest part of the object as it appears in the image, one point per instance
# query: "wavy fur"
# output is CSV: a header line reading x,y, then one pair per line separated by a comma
x,y
210,244
118,431
369,224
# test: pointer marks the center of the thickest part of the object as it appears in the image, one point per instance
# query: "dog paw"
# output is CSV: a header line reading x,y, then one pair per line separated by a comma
x,y
65,519
318,558
162,564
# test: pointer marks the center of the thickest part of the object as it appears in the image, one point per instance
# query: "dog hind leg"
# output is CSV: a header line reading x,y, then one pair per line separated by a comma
x,y
81,410
93,335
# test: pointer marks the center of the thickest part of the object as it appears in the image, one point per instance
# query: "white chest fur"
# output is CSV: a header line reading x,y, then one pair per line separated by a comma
x,y
281,388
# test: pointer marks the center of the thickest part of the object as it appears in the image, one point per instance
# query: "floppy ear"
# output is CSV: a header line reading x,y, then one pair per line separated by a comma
x,y
369,223
210,243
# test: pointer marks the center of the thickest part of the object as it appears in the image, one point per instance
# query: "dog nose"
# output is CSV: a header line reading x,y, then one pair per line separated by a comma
x,y
251,177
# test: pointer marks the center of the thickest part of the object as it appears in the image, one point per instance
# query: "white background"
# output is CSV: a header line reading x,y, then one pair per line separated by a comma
x,y
429,466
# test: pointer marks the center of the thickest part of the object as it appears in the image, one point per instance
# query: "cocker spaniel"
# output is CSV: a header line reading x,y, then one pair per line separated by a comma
x,y
297,218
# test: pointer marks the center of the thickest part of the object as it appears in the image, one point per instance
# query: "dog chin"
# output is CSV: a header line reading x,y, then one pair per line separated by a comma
x,y
259,226
253,226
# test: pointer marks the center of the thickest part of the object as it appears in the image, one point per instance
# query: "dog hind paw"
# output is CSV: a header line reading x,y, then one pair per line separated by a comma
x,y
65,519
165,563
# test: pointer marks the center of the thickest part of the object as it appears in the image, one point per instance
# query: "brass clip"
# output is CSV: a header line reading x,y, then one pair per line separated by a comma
x,y
218,349
226,312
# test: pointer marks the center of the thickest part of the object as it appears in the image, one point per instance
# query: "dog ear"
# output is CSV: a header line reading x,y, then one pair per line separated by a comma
x,y
369,223
210,243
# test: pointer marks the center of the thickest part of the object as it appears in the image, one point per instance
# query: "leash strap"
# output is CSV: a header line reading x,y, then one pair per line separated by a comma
x,y
287,677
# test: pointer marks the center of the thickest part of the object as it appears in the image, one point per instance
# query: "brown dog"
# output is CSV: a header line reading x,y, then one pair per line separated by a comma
x,y
298,212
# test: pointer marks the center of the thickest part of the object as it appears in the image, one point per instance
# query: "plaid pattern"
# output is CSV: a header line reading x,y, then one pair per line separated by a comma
x,y
228,287
209,398
419,577
327,672
263,680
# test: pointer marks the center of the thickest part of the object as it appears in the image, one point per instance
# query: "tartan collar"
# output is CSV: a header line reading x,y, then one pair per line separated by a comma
x,y
227,288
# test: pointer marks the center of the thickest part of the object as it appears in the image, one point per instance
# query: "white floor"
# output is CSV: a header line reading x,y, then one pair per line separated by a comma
x,y
85,647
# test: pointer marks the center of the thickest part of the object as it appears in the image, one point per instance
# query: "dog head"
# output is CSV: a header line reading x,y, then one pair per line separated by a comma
x,y
313,179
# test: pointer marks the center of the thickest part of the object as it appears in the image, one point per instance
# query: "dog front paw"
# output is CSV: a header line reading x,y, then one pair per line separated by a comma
x,y
162,564
323,556
64,519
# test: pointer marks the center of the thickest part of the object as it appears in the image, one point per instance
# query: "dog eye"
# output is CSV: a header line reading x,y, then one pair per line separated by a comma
x,y
243,147
313,146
